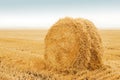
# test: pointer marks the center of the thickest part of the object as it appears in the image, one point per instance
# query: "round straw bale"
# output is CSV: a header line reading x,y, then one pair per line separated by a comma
x,y
68,44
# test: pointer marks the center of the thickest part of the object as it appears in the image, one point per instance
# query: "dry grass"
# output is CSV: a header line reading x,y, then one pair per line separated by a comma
x,y
20,51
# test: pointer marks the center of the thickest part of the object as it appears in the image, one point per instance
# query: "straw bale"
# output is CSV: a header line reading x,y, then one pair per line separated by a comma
x,y
73,43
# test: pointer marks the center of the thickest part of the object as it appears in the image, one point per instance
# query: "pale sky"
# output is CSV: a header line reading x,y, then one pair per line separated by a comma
x,y
41,14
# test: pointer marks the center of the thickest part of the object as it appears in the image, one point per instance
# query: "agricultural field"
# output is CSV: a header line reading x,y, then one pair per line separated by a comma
x,y
22,52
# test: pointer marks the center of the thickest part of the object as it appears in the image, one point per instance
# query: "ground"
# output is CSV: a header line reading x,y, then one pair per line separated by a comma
x,y
21,52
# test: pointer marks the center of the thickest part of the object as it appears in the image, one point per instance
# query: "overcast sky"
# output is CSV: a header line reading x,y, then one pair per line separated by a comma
x,y
28,14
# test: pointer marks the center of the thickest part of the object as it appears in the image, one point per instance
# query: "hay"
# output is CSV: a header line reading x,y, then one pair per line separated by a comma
x,y
96,48
73,43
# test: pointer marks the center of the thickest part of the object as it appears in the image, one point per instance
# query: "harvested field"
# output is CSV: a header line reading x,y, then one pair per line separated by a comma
x,y
22,50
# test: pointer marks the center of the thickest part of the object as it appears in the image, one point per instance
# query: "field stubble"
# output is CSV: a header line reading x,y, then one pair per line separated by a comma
x,y
22,50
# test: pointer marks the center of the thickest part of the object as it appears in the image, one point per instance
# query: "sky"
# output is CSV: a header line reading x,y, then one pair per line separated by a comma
x,y
42,14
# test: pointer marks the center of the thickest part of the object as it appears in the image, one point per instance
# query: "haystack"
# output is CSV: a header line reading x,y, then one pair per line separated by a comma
x,y
73,43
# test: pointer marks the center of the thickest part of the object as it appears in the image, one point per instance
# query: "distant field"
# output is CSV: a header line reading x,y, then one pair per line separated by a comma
x,y
21,51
